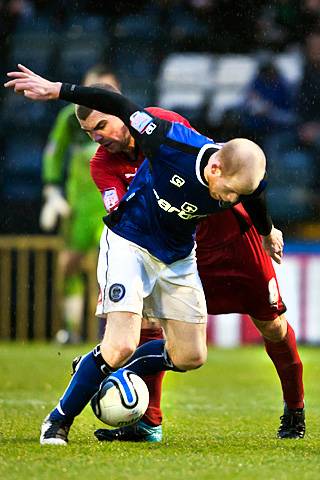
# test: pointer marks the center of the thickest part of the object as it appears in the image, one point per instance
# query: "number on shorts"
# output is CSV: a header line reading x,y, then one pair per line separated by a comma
x,y
273,291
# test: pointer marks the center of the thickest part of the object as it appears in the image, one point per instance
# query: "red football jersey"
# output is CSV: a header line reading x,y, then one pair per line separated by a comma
x,y
220,229
113,172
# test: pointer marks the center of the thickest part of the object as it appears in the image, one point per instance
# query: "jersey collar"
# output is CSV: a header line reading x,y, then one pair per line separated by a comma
x,y
203,156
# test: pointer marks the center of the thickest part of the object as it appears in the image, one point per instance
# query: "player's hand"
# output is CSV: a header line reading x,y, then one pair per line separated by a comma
x,y
273,244
33,86
55,206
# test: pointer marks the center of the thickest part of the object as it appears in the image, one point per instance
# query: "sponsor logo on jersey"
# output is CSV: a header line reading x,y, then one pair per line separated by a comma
x,y
189,208
186,211
150,128
110,199
140,120
177,181
116,292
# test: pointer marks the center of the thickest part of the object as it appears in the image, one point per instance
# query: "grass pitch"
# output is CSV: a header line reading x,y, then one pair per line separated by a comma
x,y
220,422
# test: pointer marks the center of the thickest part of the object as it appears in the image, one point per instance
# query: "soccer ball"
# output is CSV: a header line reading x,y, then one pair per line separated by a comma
x,y
121,400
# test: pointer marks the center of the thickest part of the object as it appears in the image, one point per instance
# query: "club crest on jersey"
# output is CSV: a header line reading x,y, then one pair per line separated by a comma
x,y
110,199
177,181
140,120
117,292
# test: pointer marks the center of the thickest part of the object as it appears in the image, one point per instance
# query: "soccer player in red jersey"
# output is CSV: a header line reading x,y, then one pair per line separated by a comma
x,y
238,276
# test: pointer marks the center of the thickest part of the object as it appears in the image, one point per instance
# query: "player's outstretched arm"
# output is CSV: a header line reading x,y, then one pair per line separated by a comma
x,y
35,87
134,117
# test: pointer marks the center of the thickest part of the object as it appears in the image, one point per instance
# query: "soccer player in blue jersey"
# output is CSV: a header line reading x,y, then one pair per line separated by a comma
x,y
147,261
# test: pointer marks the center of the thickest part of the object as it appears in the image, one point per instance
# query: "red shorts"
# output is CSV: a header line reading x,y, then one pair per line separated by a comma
x,y
238,277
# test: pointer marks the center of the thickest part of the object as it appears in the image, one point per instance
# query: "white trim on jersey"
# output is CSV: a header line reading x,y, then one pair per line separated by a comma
x,y
199,158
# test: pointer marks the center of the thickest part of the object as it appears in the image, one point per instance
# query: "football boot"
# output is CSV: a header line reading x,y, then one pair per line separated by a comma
x,y
139,432
292,424
54,432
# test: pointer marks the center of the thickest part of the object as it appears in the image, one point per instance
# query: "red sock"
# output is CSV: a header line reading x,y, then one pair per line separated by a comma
x,y
286,359
153,415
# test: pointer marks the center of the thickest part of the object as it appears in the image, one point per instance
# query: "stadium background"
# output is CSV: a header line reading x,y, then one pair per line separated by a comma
x,y
198,57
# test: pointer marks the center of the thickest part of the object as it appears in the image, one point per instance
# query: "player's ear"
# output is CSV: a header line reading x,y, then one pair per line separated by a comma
x,y
216,168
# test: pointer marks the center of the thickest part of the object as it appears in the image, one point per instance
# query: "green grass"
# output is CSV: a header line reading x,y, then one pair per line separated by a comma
x,y
220,422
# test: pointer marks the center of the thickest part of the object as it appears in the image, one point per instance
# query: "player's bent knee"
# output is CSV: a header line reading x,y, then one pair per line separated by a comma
x,y
191,362
118,354
274,331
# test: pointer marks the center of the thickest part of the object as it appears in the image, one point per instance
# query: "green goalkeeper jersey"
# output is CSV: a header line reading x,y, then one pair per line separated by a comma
x,y
66,162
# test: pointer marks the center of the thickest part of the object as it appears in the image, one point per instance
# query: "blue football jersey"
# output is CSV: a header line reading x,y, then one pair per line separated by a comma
x,y
168,195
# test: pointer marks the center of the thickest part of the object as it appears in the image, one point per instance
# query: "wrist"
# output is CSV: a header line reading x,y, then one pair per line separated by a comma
x,y
268,235
51,190
56,90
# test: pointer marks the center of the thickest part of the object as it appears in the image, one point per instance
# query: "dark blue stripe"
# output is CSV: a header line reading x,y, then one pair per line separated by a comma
x,y
107,259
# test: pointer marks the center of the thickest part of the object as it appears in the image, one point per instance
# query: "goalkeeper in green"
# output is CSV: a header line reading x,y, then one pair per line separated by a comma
x,y
71,196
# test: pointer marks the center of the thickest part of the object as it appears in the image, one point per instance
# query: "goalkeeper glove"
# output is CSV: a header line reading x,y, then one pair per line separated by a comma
x,y
55,206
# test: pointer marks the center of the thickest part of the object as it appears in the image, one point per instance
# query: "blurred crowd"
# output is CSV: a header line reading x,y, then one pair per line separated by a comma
x,y
281,111
205,25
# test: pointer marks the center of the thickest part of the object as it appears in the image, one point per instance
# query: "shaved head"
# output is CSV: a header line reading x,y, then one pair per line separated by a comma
x,y
236,169
244,162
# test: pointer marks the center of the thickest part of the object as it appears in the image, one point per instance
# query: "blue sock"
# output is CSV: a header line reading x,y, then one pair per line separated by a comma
x,y
83,385
150,358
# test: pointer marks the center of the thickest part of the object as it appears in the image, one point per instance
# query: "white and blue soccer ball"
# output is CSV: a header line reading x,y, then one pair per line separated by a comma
x,y
121,400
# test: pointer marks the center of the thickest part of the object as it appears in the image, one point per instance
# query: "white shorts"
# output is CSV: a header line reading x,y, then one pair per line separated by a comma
x,y
132,280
